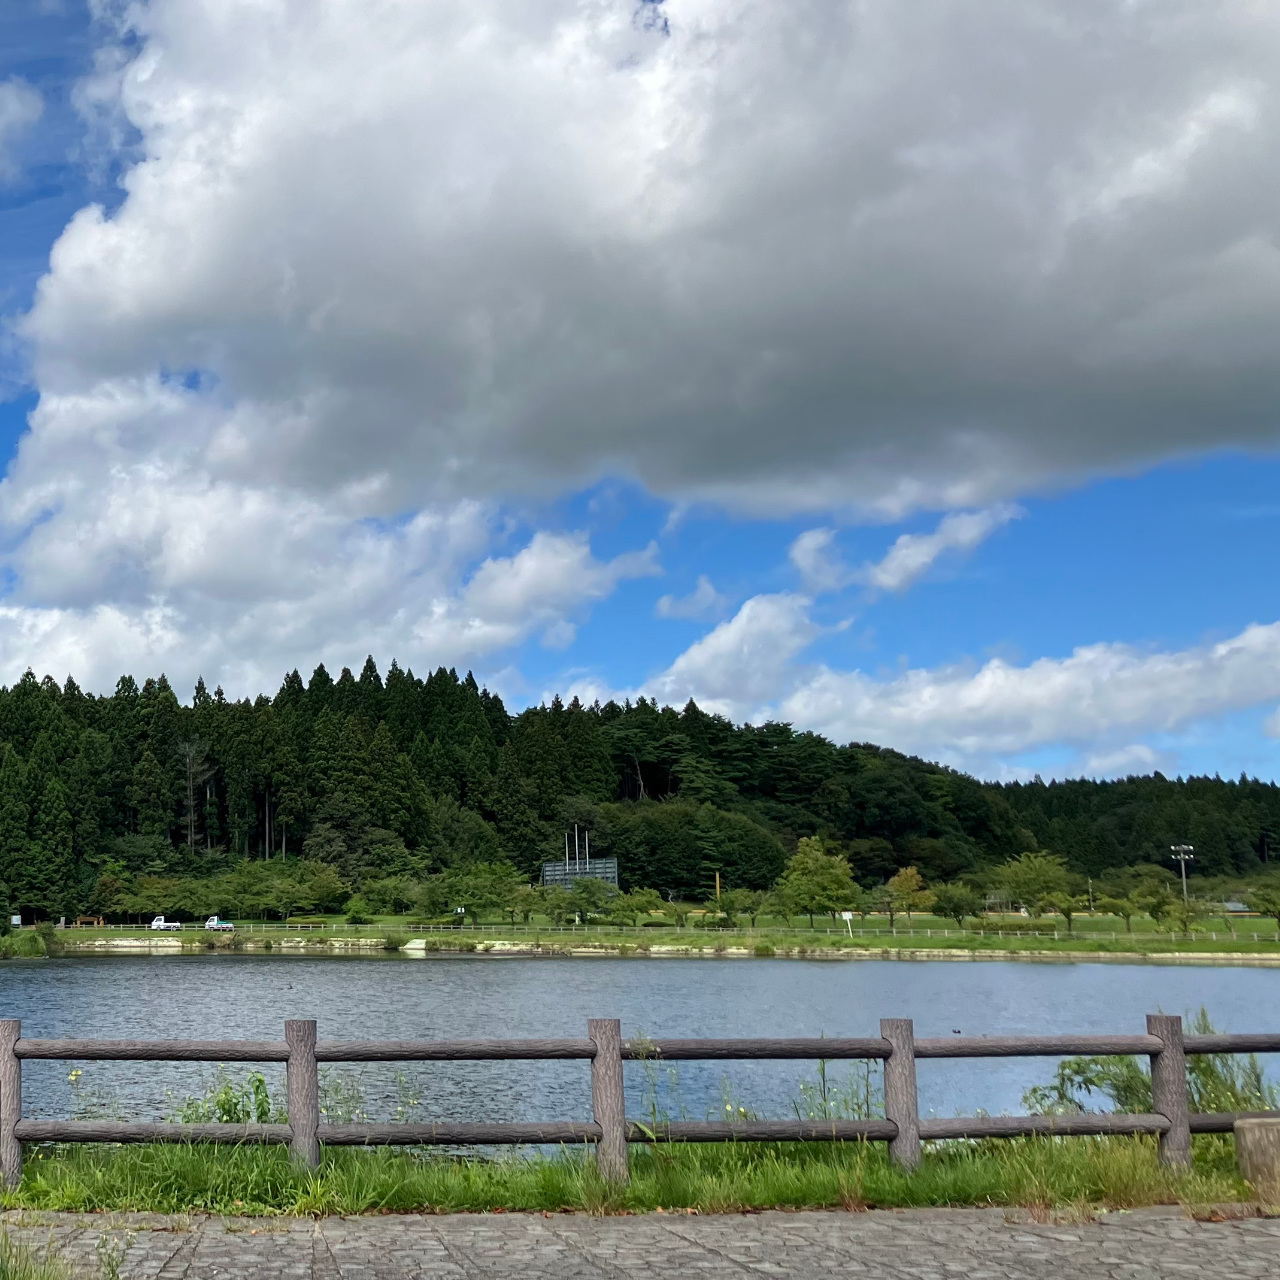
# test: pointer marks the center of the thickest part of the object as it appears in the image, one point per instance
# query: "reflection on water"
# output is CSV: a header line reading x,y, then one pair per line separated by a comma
x,y
249,997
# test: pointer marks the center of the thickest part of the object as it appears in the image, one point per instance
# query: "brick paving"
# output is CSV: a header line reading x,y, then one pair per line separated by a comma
x,y
918,1244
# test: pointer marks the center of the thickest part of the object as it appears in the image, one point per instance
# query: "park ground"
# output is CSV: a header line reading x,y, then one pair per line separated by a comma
x,y
1238,939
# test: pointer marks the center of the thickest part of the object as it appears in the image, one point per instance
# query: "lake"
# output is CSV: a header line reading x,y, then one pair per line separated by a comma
x,y
207,996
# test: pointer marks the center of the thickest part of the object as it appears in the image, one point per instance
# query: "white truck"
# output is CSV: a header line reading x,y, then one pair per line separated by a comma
x,y
166,926
214,925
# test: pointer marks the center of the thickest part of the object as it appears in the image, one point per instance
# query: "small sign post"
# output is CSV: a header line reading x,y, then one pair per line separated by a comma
x,y
847,917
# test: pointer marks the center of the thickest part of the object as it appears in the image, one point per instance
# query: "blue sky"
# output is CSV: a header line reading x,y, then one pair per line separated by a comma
x,y
922,400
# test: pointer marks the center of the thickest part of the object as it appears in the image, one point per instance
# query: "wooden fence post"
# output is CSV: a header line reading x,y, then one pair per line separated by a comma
x,y
302,1085
901,1102
1169,1088
608,1100
10,1103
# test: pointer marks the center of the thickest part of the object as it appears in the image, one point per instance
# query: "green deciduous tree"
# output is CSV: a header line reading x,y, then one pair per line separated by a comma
x,y
958,901
907,890
816,882
1031,877
1124,908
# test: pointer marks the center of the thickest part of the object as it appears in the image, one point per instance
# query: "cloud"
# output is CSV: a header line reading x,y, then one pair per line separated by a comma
x,y
926,255
913,554
704,601
738,665
1136,758
378,267
1097,703
815,554
1100,694
508,598
21,106
160,564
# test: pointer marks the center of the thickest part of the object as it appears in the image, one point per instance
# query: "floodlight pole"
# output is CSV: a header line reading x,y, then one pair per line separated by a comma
x,y
1183,853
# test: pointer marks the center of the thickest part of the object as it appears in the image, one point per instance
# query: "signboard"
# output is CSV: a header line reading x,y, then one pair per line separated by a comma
x,y
846,915
16,921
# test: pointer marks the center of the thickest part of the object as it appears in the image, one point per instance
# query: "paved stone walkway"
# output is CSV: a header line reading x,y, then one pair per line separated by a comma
x,y
956,1244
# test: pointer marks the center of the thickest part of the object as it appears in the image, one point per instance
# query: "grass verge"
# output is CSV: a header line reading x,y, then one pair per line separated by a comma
x,y
18,1262
1038,1173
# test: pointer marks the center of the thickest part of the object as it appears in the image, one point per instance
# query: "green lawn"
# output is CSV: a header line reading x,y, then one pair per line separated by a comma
x,y
1087,1173
1098,933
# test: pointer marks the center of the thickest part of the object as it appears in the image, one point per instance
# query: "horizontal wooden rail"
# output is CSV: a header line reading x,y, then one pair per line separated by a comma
x,y
451,1050
1228,1043
762,1131
155,1050
457,1134
1034,1046
1224,1121
122,1131
813,1047
448,1133
1085,1125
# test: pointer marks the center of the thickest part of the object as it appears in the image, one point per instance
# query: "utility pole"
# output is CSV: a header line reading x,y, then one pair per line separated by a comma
x,y
1183,853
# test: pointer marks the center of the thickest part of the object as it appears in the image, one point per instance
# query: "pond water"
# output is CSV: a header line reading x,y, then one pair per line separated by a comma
x,y
249,997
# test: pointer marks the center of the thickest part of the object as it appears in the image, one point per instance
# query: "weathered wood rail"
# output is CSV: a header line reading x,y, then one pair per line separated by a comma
x,y
609,1130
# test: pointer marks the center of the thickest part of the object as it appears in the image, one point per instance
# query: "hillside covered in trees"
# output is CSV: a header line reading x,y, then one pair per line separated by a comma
x,y
363,779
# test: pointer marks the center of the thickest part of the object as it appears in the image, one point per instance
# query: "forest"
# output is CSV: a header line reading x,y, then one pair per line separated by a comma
x,y
347,783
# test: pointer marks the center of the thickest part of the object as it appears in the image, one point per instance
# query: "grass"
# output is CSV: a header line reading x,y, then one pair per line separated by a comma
x,y
1039,1173
1097,935
26,943
18,1262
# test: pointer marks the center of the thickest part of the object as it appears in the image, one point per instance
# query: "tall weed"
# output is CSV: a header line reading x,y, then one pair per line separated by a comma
x,y
1215,1082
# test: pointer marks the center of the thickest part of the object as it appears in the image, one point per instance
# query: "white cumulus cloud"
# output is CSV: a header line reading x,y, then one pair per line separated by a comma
x,y
914,554
21,106
704,601
923,254
822,569
737,666
1098,702
379,266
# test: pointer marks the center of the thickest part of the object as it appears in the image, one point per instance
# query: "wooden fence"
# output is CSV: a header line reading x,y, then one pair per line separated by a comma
x,y
897,1047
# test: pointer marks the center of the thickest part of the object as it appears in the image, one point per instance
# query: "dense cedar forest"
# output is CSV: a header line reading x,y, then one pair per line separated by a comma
x,y
363,779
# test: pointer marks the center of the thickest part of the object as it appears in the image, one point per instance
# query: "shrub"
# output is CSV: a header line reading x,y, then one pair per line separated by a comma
x,y
764,950
1010,926
394,939
27,944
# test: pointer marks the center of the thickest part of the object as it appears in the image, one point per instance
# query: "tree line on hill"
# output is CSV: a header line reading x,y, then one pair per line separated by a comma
x,y
334,787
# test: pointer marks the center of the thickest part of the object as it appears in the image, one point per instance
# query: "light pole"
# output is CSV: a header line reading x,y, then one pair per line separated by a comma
x,y
1183,853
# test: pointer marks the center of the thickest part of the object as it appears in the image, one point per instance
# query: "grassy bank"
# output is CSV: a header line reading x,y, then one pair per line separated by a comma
x,y
1251,938
1084,1173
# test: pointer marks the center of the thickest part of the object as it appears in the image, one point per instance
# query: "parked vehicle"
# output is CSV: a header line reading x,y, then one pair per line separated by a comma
x,y
166,926
219,926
